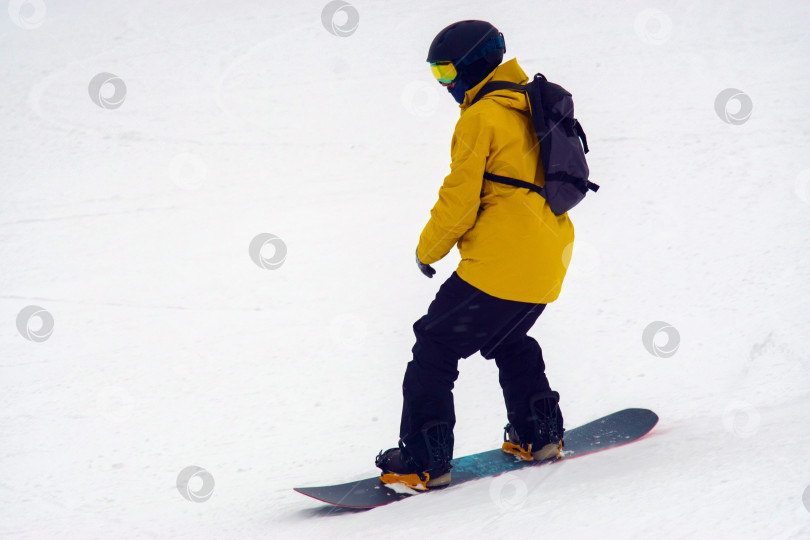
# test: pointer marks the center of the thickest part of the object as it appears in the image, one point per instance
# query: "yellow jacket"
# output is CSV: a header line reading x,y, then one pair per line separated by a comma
x,y
512,245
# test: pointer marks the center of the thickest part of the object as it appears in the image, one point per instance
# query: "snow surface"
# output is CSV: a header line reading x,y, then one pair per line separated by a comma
x,y
170,348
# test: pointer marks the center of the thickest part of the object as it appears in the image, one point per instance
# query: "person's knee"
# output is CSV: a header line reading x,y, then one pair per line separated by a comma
x,y
433,363
518,347
441,343
525,355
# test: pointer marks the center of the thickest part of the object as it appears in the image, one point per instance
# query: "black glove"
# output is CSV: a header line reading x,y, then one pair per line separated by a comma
x,y
425,268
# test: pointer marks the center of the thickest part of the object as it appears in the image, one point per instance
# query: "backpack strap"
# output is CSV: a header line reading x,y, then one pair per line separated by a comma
x,y
514,182
492,86
581,133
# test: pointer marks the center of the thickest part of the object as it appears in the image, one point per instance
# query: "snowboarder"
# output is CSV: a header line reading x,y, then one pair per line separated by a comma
x,y
514,253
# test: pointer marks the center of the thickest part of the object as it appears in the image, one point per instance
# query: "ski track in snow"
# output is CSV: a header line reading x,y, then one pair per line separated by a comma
x,y
171,348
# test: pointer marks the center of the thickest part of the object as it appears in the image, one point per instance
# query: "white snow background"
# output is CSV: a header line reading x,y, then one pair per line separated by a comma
x,y
130,224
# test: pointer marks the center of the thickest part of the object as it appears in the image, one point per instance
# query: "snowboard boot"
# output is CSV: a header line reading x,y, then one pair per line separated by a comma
x,y
546,441
400,467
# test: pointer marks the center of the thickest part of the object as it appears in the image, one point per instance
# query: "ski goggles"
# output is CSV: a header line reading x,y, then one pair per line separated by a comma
x,y
445,72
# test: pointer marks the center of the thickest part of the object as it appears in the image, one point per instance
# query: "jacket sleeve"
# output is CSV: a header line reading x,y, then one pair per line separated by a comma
x,y
460,195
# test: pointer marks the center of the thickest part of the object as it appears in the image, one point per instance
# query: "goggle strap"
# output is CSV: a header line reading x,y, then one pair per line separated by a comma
x,y
493,44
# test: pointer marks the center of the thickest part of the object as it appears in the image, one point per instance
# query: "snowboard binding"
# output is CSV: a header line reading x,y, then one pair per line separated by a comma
x,y
547,426
399,466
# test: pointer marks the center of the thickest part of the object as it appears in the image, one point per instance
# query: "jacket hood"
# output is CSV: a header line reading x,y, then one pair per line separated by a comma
x,y
508,71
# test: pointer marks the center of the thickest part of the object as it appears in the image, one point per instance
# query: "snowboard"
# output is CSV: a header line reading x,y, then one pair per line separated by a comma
x,y
613,430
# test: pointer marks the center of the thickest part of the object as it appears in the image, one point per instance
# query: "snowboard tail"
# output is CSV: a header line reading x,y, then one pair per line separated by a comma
x,y
610,431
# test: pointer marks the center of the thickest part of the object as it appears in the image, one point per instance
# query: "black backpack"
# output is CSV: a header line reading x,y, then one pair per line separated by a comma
x,y
562,140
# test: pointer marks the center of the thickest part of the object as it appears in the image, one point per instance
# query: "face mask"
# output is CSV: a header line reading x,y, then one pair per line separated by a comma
x,y
459,89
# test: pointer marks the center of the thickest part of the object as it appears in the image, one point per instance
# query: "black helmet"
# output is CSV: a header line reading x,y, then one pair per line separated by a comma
x,y
474,47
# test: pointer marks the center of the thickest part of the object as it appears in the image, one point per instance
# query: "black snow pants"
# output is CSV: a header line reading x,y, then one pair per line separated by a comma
x,y
461,321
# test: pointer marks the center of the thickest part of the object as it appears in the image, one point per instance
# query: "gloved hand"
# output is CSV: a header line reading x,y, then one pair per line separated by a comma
x,y
425,268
